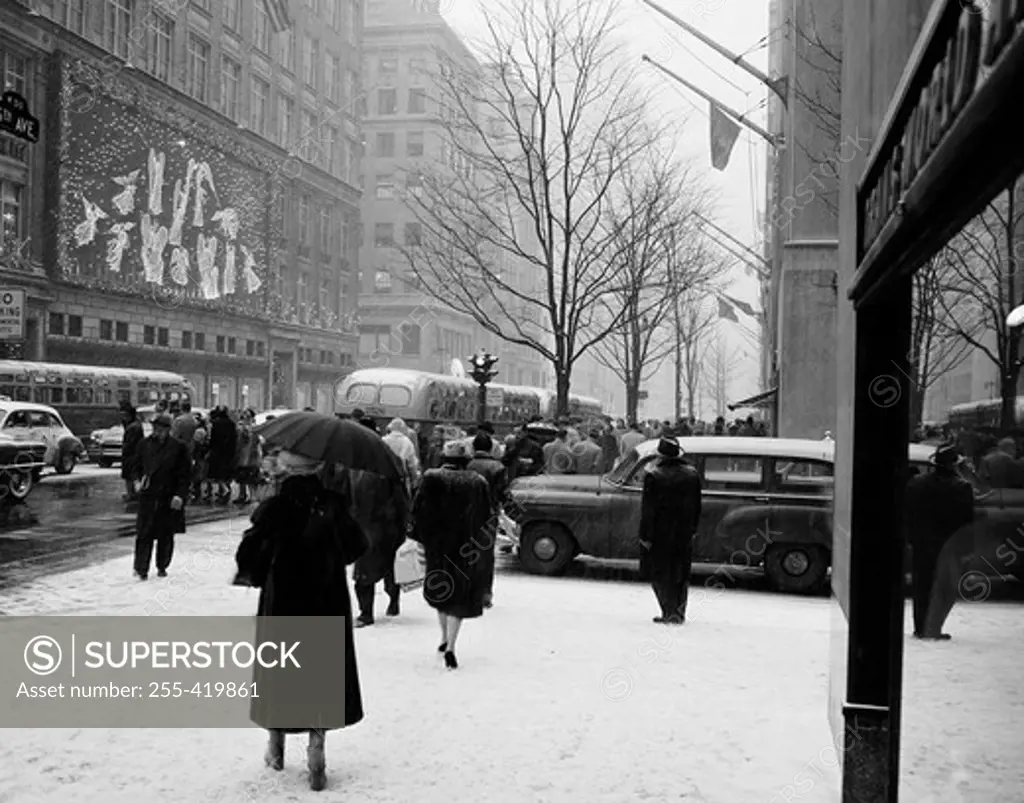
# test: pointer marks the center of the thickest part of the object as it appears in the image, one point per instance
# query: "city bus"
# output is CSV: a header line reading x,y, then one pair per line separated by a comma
x,y
984,414
435,399
86,396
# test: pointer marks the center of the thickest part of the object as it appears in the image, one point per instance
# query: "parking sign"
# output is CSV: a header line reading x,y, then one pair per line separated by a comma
x,y
12,314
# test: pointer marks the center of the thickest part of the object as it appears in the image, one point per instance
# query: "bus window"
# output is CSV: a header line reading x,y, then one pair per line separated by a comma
x,y
103,396
124,396
86,396
22,393
395,396
56,395
41,395
361,394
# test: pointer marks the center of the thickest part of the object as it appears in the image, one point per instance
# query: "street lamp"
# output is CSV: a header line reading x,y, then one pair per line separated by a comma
x,y
482,364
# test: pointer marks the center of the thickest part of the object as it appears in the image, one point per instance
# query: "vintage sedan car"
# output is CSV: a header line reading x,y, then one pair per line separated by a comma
x,y
24,422
105,444
767,504
21,462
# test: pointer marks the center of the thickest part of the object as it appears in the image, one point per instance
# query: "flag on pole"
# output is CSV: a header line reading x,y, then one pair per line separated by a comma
x,y
724,132
280,18
726,311
742,306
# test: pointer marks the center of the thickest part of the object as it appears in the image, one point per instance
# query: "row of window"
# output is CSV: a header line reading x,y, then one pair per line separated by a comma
x,y
384,234
300,292
384,144
326,357
376,340
387,101
298,215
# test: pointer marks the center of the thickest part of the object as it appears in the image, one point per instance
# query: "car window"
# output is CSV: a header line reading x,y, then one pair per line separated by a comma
x,y
636,479
804,477
625,465
55,421
39,419
19,418
733,473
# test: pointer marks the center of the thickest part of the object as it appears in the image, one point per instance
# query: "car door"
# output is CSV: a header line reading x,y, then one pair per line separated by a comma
x,y
623,506
801,492
734,507
42,430
16,425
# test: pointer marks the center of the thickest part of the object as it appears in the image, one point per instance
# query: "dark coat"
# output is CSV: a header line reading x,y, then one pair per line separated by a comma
x,y
669,516
301,572
381,507
491,469
223,443
165,468
1001,470
133,435
937,505
450,515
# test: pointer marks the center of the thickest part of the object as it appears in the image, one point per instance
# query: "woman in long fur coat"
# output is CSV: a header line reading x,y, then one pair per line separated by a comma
x,y
296,551
450,516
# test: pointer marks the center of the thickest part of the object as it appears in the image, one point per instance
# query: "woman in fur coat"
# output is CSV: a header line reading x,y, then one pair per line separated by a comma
x,y
450,516
296,552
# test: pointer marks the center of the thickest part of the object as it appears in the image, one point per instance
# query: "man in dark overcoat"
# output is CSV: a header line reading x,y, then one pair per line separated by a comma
x,y
669,517
382,508
162,486
937,505
491,469
133,435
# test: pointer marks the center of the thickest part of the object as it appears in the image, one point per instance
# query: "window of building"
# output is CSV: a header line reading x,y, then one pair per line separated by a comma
x,y
198,68
261,348
11,214
260,107
417,101
261,28
325,294
385,145
387,101
304,220
414,184
285,120
199,340
233,14
56,323
220,344
385,187
382,282
414,143
160,54
286,49
332,78
387,65
163,336
383,235
351,16
353,164
106,330
74,325
202,4
417,69
326,228
336,152
117,25
308,143
413,233
186,340
232,345
342,298
351,87
13,73
121,331
302,287
230,86
310,60
374,337
409,333
149,335
75,19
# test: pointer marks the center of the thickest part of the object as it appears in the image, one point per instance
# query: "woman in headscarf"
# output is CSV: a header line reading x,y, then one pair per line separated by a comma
x,y
450,516
296,552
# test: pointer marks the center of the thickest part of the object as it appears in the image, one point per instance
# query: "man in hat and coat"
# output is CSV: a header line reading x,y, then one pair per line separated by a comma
x,y
133,435
937,505
491,469
669,516
164,475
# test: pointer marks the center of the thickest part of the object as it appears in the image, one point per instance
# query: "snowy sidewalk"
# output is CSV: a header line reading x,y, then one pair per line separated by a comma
x,y
567,691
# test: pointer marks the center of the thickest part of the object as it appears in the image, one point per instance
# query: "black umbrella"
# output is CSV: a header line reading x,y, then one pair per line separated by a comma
x,y
331,440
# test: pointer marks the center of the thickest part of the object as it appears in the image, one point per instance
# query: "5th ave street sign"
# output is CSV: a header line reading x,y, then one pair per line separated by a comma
x,y
15,117
12,314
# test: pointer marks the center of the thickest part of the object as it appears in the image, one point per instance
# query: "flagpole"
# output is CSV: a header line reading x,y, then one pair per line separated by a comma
x,y
773,139
724,233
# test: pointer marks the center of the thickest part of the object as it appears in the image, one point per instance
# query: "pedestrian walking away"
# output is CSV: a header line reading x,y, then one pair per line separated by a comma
x,y
669,515
381,506
162,487
450,515
296,552
491,469
937,506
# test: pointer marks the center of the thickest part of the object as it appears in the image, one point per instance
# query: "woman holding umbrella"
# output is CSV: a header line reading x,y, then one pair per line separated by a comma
x,y
450,516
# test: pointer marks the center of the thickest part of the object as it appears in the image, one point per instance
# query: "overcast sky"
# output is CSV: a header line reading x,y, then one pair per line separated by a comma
x,y
738,25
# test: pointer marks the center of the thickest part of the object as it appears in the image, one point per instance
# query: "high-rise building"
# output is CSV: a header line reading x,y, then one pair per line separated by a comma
x,y
192,202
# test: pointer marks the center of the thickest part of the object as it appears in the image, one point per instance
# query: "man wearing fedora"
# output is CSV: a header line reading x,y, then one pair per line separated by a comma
x,y
937,505
163,484
669,516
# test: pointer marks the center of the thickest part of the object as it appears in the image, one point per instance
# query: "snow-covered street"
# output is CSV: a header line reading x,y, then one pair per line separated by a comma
x,y
566,691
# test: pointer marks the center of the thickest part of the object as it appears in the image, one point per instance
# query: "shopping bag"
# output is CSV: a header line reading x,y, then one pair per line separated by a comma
x,y
410,564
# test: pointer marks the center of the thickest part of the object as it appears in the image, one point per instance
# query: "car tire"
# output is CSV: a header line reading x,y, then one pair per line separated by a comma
x,y
104,462
796,568
66,463
18,483
546,548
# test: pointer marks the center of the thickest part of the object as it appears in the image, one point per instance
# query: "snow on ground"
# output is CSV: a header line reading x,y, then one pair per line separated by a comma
x,y
566,691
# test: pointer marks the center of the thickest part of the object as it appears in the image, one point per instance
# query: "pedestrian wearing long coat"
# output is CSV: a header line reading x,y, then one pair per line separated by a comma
x,y
162,487
669,516
223,444
295,553
450,515
133,435
491,469
248,458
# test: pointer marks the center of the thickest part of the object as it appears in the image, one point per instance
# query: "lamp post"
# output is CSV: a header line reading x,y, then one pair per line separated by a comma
x,y
482,364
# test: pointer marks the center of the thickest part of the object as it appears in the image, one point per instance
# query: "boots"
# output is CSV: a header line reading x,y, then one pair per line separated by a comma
x,y
275,751
364,596
316,761
393,609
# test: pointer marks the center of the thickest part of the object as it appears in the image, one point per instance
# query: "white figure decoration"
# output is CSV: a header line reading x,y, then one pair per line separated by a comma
x,y
180,206
156,182
179,265
85,232
206,253
124,201
154,241
229,224
117,244
252,279
203,177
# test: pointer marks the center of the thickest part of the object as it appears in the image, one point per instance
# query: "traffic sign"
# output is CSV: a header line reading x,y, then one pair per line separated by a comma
x,y
12,313
495,397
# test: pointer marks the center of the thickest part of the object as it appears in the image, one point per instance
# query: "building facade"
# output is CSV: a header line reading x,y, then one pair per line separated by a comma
x,y
405,45
194,205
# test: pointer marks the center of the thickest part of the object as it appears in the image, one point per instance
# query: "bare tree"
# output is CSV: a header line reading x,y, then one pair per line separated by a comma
x,y
982,287
718,369
515,234
694,319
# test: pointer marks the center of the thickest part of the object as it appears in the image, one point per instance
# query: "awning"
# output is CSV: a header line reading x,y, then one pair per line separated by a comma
x,y
277,10
763,399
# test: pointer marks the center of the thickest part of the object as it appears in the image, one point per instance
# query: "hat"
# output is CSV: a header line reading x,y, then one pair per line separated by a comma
x,y
669,447
454,450
357,413
397,425
162,420
126,407
946,455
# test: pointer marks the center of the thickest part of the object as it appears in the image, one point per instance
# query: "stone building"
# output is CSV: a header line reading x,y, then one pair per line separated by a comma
x,y
194,202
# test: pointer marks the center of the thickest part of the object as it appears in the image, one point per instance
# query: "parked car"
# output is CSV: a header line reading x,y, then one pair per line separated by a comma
x,y
24,422
105,444
21,462
767,504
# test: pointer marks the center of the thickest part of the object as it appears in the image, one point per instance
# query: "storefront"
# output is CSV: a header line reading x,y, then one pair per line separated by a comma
x,y
934,87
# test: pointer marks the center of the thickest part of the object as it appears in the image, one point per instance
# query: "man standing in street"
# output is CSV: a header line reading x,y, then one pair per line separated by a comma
x,y
133,435
558,457
631,439
937,505
669,515
589,456
162,487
